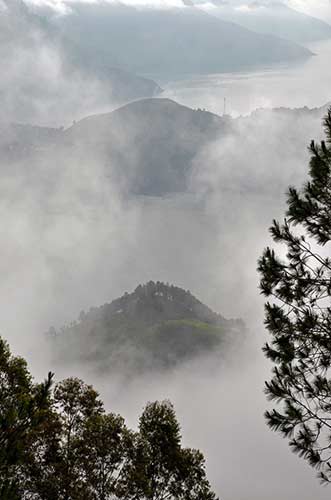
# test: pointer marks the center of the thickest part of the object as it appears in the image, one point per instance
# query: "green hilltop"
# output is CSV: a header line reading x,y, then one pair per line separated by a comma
x,y
155,327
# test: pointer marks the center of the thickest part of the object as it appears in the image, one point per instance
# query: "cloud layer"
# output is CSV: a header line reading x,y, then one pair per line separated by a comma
x,y
318,8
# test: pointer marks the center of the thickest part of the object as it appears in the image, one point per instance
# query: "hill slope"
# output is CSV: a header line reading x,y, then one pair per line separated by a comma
x,y
46,78
156,147
148,145
170,41
144,148
155,327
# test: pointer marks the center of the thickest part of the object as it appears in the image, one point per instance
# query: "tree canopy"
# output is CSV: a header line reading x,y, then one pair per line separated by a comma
x,y
60,444
298,282
24,408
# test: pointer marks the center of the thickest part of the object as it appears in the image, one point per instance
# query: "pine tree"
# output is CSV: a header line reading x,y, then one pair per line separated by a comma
x,y
299,315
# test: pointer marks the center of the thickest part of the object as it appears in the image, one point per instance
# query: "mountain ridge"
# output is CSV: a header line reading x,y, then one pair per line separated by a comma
x,y
151,41
273,18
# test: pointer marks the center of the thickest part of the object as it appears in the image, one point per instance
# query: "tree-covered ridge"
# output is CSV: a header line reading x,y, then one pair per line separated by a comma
x,y
156,326
59,443
157,301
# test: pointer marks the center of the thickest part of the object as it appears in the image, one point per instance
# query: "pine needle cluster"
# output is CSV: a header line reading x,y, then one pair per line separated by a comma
x,y
298,314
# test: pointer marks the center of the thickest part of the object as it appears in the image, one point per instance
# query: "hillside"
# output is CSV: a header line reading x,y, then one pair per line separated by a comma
x,y
155,327
156,147
273,18
147,146
144,148
170,41
45,77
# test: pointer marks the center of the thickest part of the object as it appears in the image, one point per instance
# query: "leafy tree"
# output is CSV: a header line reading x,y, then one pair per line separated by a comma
x,y
161,469
106,451
76,403
62,445
84,451
299,316
24,408
44,466
53,467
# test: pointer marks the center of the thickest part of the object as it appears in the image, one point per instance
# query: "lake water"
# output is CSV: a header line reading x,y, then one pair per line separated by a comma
x,y
305,84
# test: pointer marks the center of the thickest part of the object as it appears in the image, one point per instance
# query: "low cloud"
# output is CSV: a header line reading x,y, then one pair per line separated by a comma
x,y
319,8
70,241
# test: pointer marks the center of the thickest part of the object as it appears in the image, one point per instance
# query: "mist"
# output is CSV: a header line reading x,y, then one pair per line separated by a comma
x,y
73,238
287,85
80,244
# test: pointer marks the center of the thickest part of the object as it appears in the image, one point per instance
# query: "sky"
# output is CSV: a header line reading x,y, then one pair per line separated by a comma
x,y
317,8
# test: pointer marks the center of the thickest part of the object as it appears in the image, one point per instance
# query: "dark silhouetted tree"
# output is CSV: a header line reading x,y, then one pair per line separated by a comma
x,y
106,451
61,445
83,452
76,403
24,408
161,469
299,315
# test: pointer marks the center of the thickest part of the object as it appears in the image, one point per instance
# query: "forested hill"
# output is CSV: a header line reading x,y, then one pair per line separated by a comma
x,y
159,301
155,327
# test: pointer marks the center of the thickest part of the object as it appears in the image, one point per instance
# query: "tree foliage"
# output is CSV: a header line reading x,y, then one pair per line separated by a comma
x,y
60,444
161,468
24,408
299,315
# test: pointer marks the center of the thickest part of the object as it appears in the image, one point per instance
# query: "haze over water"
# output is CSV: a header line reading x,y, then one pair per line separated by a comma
x,y
293,86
